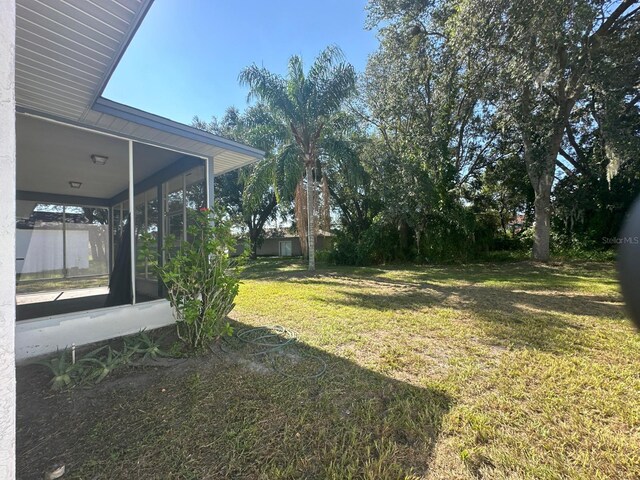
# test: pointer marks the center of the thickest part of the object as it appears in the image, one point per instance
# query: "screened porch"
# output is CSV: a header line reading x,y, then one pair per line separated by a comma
x,y
76,191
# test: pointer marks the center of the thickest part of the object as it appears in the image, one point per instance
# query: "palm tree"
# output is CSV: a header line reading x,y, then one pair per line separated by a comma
x,y
304,102
249,193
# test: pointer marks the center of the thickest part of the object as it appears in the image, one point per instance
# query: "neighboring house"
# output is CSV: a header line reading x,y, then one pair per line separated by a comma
x,y
283,243
84,163
277,243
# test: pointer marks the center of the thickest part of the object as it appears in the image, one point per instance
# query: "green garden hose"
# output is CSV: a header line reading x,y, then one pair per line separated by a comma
x,y
278,343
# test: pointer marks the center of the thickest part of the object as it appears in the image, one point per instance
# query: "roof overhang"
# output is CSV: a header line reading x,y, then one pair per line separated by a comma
x,y
65,55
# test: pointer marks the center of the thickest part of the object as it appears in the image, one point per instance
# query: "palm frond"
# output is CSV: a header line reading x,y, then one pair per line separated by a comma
x,y
339,155
261,180
324,62
268,88
289,171
296,80
339,85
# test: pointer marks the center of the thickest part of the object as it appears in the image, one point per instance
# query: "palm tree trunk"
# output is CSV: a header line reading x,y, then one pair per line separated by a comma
x,y
310,214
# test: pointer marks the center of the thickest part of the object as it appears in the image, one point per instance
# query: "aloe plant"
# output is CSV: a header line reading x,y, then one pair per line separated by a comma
x,y
63,369
101,367
144,344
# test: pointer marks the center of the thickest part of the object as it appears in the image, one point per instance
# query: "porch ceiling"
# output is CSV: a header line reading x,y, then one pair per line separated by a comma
x,y
50,155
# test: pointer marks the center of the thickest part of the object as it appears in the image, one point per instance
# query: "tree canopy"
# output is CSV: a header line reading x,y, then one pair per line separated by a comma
x,y
478,126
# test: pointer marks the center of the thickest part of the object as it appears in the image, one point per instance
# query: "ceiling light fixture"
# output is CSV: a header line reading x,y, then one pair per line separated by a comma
x,y
99,159
74,184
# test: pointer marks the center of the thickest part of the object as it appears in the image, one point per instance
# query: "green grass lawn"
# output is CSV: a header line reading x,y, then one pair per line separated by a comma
x,y
485,371
55,284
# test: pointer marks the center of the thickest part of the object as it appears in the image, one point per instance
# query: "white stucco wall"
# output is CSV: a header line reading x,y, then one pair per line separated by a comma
x,y
7,239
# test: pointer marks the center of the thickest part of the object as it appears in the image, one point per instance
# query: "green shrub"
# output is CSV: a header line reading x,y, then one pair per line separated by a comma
x,y
201,278
449,238
377,244
323,256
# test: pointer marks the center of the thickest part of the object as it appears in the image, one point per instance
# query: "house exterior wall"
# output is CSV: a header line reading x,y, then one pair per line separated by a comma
x,y
271,246
7,238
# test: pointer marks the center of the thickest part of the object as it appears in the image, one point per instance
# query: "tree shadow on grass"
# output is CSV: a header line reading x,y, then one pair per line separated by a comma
x,y
515,317
231,415
525,274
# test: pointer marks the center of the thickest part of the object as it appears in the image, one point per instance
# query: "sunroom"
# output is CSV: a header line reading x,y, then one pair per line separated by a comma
x,y
93,177
85,199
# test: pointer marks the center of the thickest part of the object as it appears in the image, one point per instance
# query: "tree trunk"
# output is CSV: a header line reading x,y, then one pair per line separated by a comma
x,y
540,172
542,228
255,224
253,240
540,159
310,219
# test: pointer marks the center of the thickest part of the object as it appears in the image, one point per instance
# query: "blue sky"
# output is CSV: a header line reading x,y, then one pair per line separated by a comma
x,y
187,54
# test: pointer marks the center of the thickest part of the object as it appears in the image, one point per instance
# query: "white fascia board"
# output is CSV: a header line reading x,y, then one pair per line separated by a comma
x,y
162,124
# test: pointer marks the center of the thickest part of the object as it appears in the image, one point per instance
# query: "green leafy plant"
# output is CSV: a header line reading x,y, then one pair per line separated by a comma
x,y
201,277
64,371
100,367
143,344
95,366
177,350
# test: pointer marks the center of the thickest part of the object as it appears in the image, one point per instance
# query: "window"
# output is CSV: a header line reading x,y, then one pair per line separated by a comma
x,y
183,194
174,209
146,223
